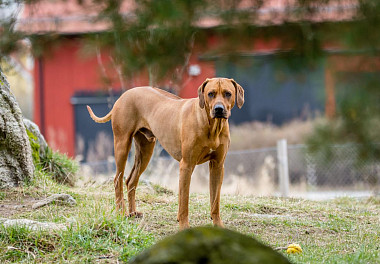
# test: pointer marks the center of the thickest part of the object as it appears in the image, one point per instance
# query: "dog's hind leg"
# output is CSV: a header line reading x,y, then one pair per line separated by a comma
x,y
122,146
144,149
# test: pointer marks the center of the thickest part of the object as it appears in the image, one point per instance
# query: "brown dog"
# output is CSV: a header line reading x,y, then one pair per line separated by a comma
x,y
192,131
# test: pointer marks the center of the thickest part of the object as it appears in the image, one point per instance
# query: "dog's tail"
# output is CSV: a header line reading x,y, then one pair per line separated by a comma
x,y
99,119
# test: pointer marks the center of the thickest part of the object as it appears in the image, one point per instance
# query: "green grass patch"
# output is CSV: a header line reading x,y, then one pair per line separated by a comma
x,y
54,164
2,195
86,240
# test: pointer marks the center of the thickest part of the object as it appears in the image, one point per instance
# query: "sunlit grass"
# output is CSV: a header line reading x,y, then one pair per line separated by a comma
x,y
344,230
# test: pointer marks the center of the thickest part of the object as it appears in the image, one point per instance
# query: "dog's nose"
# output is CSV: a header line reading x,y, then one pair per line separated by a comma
x,y
219,109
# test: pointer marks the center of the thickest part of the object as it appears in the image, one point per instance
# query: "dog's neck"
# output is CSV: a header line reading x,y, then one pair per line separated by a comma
x,y
216,125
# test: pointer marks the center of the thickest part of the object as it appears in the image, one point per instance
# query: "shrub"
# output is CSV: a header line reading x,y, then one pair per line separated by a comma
x,y
58,166
61,168
262,135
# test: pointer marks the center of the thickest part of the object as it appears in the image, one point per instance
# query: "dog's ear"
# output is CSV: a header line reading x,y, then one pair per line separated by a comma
x,y
239,92
201,90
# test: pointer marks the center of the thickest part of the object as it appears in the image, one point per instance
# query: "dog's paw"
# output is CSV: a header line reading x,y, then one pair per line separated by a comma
x,y
136,215
183,226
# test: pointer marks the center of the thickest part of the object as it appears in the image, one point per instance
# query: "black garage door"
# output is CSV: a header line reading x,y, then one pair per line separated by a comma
x,y
277,88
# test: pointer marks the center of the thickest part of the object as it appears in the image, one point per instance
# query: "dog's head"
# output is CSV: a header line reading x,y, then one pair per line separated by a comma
x,y
218,96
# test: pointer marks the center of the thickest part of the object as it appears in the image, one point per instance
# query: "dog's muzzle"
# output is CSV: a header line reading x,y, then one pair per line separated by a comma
x,y
219,111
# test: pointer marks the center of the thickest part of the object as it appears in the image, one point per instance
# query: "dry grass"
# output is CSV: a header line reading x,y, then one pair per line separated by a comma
x,y
262,135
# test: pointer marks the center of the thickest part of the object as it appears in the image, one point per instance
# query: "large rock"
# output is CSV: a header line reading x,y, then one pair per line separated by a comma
x,y
16,162
209,245
35,130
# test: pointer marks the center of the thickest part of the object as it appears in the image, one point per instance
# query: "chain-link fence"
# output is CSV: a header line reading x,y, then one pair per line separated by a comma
x,y
338,169
256,172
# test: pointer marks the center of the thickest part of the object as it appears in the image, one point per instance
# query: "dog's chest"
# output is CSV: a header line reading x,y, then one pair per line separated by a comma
x,y
209,151
213,144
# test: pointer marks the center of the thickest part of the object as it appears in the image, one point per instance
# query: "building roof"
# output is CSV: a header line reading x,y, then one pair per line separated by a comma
x,y
70,17
64,16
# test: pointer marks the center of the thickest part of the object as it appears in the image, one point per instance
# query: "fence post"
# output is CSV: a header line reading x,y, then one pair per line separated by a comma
x,y
283,171
311,175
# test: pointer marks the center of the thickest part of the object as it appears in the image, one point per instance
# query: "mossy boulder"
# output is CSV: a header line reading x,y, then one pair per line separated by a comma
x,y
16,162
34,134
209,245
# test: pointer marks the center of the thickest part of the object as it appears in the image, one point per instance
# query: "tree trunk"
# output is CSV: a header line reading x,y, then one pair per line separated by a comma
x,y
16,162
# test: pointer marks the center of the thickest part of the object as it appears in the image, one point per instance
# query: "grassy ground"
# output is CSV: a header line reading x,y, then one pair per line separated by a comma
x,y
339,231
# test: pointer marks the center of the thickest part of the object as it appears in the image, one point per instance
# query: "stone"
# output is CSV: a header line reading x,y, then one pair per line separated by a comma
x,y
61,198
35,130
209,245
16,161
31,224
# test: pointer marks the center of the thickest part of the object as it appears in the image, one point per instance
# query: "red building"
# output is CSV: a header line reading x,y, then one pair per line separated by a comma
x,y
64,69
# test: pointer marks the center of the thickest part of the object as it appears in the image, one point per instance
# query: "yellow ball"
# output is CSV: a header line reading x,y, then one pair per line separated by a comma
x,y
294,248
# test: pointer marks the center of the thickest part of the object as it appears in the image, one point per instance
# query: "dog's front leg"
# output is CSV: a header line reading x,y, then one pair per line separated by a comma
x,y
185,171
216,179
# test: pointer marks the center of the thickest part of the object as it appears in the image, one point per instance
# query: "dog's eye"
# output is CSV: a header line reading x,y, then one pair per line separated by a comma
x,y
211,94
228,94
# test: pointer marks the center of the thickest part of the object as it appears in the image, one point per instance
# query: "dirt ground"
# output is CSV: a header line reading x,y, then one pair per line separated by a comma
x,y
14,202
